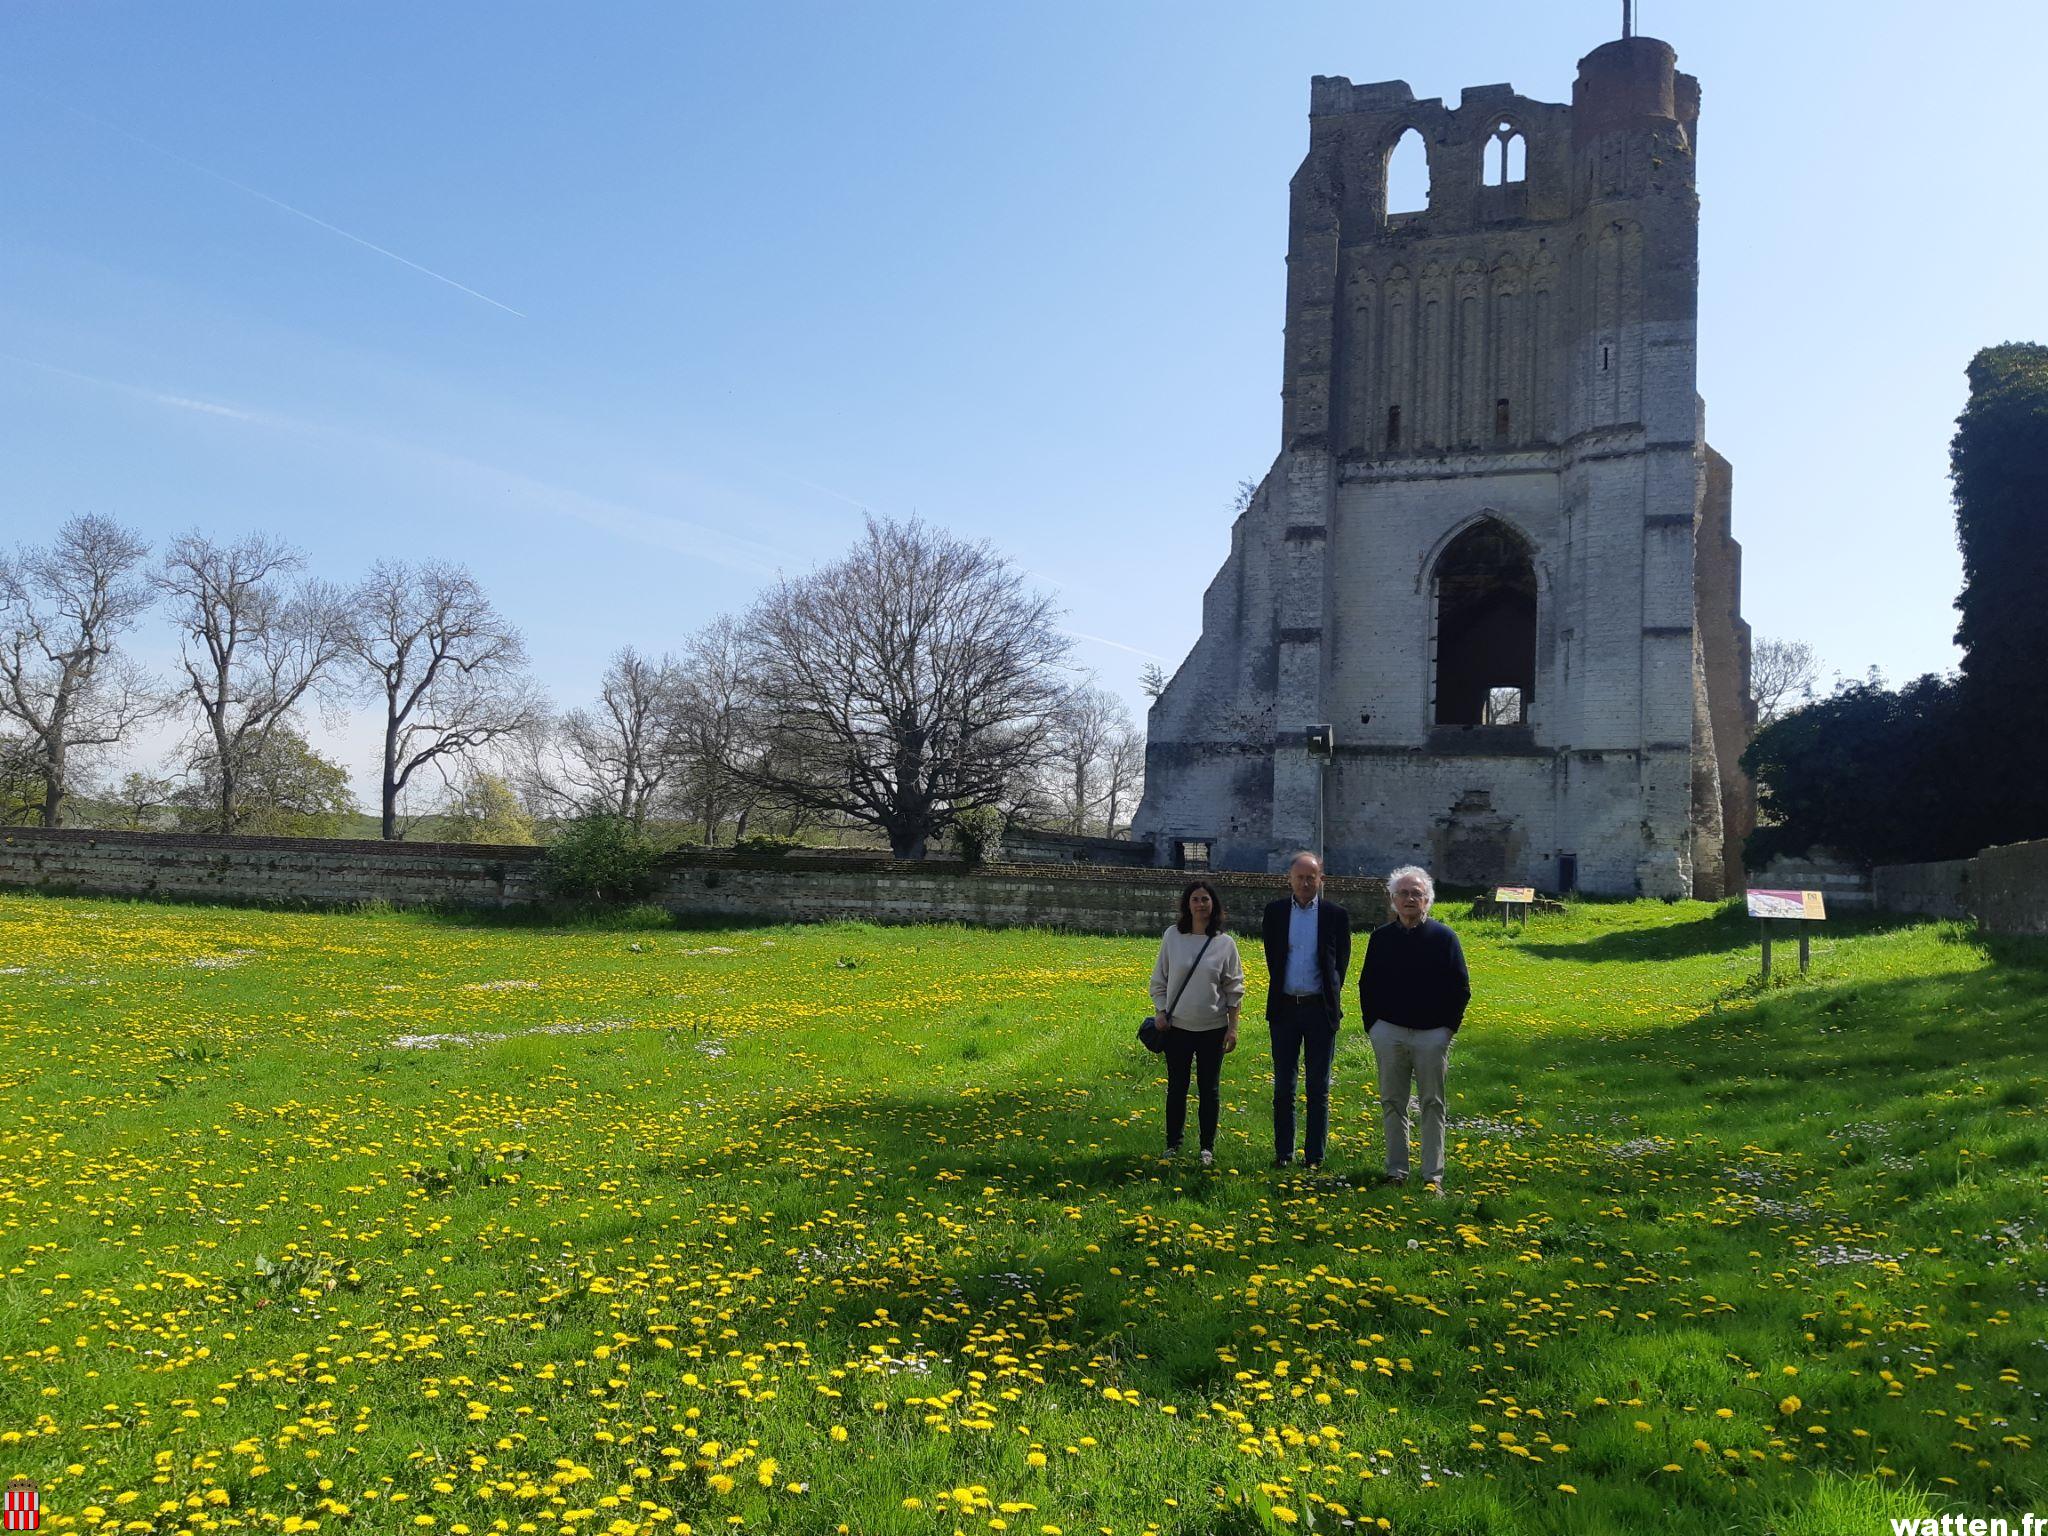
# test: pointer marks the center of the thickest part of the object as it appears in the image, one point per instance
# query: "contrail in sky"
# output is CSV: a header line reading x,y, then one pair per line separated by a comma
x,y
179,402
1115,645
275,202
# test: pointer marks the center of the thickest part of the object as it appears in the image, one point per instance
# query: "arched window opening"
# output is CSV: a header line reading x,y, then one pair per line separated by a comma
x,y
1485,628
1507,156
1408,175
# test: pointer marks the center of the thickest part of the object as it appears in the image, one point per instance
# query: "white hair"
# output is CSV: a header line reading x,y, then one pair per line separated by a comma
x,y
1416,873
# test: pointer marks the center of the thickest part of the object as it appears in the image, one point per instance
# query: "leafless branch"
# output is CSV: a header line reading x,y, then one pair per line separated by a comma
x,y
63,681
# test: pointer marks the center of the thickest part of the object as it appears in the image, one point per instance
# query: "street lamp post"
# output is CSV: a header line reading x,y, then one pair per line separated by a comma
x,y
1321,741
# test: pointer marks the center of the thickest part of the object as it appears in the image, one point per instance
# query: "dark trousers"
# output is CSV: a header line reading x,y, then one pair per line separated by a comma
x,y
1303,1029
1203,1050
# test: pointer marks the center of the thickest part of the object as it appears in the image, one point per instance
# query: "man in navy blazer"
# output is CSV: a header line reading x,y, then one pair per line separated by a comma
x,y
1308,950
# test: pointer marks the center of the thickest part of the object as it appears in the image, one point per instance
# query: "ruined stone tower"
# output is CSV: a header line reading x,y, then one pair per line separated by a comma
x,y
1494,551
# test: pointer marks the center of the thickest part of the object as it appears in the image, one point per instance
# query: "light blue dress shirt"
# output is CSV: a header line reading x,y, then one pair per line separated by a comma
x,y
1303,973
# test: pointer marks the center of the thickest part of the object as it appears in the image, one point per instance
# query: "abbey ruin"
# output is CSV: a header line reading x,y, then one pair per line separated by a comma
x,y
1494,554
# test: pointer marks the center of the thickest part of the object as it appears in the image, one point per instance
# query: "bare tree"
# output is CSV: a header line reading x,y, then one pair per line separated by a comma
x,y
62,679
1782,676
450,670
1123,778
1152,679
719,704
252,648
905,683
620,756
1503,706
1083,726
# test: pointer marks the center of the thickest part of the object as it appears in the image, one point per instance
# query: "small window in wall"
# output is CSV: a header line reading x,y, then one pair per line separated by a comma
x,y
1393,426
1408,175
1503,706
1191,853
1507,156
1485,591
1502,421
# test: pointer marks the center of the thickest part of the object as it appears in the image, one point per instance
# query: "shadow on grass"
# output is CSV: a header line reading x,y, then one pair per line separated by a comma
x,y
1726,931
1869,1050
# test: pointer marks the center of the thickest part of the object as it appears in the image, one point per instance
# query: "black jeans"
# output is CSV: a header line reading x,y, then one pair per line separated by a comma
x,y
1203,1049
1303,1029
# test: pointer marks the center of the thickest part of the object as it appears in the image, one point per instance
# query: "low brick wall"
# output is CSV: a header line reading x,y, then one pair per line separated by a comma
x,y
2012,888
285,871
1843,882
810,887
1941,889
994,896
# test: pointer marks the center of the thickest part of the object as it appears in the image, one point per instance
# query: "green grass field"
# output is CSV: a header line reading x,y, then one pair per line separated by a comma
x,y
866,1230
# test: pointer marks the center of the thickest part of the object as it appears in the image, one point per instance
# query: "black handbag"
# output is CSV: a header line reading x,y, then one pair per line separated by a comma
x,y
1149,1034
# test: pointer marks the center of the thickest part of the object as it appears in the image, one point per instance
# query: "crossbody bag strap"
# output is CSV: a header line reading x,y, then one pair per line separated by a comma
x,y
1206,942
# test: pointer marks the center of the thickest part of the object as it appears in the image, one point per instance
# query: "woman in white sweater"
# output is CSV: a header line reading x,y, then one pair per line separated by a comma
x,y
1197,989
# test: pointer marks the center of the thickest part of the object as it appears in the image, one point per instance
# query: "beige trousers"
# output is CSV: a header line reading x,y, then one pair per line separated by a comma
x,y
1421,1056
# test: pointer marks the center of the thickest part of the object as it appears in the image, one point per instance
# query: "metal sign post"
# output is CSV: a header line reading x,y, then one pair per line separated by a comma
x,y
1802,907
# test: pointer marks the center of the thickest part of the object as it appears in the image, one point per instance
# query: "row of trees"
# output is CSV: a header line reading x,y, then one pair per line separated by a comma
x,y
259,643
910,684
1942,766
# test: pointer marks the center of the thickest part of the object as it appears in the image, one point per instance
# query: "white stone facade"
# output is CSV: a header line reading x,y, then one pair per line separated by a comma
x,y
1492,496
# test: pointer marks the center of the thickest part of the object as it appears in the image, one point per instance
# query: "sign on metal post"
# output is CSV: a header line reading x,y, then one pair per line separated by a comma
x,y
1520,897
1769,907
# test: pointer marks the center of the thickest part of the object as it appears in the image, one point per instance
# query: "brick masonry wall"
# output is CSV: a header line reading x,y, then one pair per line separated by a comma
x,y
820,888
1941,889
284,871
2005,889
2012,888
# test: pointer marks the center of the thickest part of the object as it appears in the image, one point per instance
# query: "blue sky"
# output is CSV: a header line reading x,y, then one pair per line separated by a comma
x,y
667,293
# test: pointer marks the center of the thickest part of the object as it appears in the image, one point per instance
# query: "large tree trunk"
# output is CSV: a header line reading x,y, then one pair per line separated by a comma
x,y
390,787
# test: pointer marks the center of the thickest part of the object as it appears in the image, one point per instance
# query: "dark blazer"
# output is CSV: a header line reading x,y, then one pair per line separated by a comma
x,y
1333,950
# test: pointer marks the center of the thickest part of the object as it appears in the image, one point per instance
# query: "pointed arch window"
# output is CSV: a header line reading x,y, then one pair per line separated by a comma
x,y
1507,156
1485,652
1407,175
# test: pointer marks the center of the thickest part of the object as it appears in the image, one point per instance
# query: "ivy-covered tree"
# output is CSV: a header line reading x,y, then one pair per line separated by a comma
x,y
1999,465
1868,771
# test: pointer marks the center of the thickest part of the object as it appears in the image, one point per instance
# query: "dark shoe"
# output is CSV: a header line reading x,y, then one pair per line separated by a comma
x,y
1283,1162
1394,1180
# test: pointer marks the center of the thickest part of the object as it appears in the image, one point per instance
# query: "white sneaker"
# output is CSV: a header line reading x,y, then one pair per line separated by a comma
x,y
1208,1158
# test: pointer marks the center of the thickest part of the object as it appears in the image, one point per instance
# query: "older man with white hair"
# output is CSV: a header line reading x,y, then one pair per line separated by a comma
x,y
1412,992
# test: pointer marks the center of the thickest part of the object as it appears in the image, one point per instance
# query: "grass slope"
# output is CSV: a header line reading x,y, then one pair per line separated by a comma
x,y
858,1229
